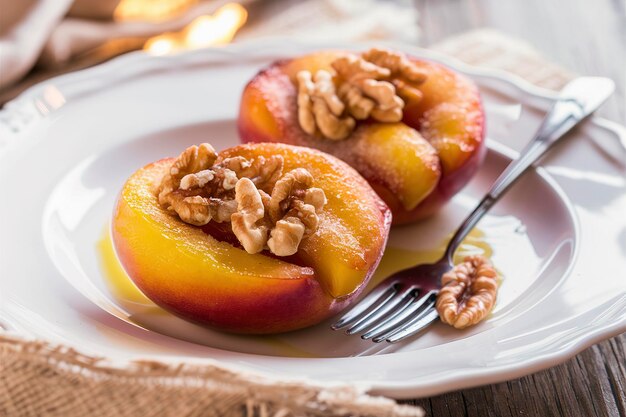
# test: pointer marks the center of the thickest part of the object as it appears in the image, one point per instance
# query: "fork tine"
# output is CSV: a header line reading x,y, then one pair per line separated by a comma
x,y
417,327
425,309
377,297
426,305
426,317
395,304
379,332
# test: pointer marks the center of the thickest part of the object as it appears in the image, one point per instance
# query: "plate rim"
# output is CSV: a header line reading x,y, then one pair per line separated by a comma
x,y
397,389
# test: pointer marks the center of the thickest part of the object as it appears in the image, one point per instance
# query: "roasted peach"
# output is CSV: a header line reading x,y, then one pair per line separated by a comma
x,y
415,165
203,275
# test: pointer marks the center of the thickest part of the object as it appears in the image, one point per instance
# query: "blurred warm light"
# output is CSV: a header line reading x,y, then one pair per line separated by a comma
x,y
160,45
207,30
150,10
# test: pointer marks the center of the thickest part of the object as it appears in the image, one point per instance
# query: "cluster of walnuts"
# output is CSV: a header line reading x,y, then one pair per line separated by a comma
x,y
266,207
374,84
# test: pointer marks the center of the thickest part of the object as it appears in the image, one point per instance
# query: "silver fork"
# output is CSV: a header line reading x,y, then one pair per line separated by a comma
x,y
404,303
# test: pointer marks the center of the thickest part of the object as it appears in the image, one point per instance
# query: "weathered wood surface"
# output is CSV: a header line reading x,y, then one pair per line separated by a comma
x,y
588,37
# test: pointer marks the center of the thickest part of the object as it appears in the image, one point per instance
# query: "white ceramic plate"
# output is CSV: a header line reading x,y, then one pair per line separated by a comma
x,y
66,147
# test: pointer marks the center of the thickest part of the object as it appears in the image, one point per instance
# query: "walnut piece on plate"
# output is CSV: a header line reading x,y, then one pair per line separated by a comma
x,y
468,293
266,209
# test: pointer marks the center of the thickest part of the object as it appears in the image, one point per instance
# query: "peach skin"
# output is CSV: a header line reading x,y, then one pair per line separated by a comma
x,y
416,165
202,275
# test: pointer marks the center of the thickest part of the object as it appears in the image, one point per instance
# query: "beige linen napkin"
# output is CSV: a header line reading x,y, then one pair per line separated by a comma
x,y
39,379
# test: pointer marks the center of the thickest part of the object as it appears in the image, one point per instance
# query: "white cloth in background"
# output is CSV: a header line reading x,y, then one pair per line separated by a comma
x,y
43,33
22,42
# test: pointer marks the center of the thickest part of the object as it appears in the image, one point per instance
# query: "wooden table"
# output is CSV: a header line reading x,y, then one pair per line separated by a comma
x,y
588,37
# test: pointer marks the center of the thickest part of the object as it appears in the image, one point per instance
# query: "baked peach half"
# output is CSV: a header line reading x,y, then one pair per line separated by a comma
x,y
260,238
413,128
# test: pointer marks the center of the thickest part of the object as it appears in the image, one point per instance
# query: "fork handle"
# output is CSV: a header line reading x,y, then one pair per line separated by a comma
x,y
575,102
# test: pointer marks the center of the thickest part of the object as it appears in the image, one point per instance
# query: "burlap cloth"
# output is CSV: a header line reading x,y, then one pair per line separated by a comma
x,y
40,379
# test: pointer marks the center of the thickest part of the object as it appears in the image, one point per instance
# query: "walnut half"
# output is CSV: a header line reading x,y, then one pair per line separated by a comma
x,y
468,293
294,207
197,190
367,91
248,221
405,75
319,107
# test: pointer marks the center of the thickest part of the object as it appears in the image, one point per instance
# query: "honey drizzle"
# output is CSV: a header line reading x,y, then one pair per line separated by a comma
x,y
118,281
397,259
